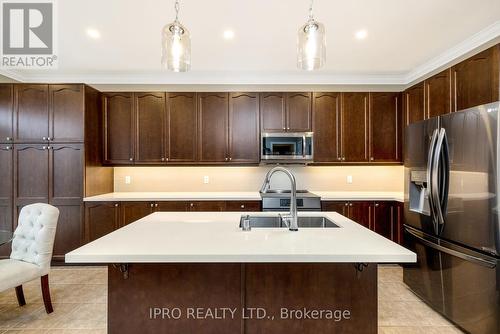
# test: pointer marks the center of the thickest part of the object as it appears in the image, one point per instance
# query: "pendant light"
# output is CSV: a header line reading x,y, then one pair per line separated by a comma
x,y
176,45
311,49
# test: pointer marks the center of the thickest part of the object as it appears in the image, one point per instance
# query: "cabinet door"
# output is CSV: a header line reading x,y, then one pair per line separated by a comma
x,y
31,169
213,134
414,103
326,115
383,219
298,112
132,211
476,79
272,112
182,122
65,193
385,127
150,127
360,212
173,206
243,206
6,184
118,128
398,230
354,127
244,128
66,106
6,112
31,113
207,206
438,94
337,206
101,218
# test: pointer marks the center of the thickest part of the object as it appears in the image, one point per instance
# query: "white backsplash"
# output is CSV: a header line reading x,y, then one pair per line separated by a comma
x,y
364,178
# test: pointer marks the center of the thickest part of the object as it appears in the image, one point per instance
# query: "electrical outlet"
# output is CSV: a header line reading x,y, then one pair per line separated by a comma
x,y
206,179
128,179
349,178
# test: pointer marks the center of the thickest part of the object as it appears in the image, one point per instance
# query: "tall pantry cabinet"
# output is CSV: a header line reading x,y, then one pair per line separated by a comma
x,y
50,149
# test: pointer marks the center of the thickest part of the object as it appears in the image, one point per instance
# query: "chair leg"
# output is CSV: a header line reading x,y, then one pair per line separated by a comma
x,y
20,295
44,280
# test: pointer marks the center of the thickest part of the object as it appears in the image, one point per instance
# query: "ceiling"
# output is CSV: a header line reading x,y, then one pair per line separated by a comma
x,y
406,40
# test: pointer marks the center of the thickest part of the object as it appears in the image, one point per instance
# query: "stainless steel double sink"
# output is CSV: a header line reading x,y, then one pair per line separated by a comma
x,y
277,222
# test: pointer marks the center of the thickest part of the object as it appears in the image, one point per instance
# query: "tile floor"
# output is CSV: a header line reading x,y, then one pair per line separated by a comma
x,y
79,300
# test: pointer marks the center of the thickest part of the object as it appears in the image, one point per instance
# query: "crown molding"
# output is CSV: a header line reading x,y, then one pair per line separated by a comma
x,y
292,80
474,44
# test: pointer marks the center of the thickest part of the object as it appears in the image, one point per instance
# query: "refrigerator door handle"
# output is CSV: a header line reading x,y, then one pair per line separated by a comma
x,y
463,256
440,176
430,183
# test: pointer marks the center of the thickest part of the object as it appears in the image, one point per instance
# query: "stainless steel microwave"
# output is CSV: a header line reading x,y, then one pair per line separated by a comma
x,y
291,147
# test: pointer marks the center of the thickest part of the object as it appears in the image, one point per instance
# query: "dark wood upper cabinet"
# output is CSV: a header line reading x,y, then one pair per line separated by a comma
x,y
385,127
354,127
438,94
244,128
298,112
32,184
213,127
101,218
66,113
326,127
150,128
272,112
118,128
182,127
6,112
414,103
31,113
476,79
66,162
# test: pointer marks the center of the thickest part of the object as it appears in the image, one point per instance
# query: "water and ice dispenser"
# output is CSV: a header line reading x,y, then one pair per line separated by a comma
x,y
419,194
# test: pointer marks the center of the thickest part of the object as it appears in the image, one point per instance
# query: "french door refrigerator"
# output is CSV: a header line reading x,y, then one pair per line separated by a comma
x,y
451,215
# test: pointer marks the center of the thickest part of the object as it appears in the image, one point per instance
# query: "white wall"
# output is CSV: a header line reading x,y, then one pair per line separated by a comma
x,y
365,178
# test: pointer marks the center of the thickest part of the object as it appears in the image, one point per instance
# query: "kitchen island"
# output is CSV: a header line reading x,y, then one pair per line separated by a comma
x,y
198,272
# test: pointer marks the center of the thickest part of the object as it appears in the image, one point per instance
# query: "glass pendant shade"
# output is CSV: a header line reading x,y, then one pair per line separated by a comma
x,y
311,52
176,47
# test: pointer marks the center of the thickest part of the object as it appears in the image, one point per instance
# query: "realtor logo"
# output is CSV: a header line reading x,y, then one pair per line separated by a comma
x,y
28,34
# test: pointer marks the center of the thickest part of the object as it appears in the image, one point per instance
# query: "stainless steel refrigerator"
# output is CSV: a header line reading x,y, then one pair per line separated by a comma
x,y
451,215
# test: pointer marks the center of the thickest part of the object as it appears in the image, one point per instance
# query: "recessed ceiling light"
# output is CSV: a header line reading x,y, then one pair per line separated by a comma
x,y
228,34
361,34
93,33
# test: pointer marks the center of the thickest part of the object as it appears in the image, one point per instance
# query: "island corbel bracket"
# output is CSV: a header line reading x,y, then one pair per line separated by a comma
x,y
360,266
123,267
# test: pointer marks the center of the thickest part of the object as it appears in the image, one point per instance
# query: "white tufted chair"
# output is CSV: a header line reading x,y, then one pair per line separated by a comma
x,y
31,251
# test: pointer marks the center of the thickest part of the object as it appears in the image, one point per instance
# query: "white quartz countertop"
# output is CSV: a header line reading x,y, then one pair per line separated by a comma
x,y
238,196
198,237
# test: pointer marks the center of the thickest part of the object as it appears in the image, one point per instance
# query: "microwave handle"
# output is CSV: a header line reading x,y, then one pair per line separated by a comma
x,y
304,146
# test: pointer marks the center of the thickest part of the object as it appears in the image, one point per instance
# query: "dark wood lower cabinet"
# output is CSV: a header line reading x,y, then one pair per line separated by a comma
x,y
132,211
382,217
263,297
101,218
70,232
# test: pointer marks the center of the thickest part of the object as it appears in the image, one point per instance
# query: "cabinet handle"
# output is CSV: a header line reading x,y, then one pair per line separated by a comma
x,y
162,159
371,159
346,204
131,159
8,138
8,148
151,205
168,159
50,138
50,147
284,128
230,158
242,206
116,205
376,205
44,147
288,128
343,158
156,205
350,204
191,204
44,138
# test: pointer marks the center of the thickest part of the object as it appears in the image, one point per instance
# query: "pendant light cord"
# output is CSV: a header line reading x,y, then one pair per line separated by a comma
x,y
176,7
311,18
